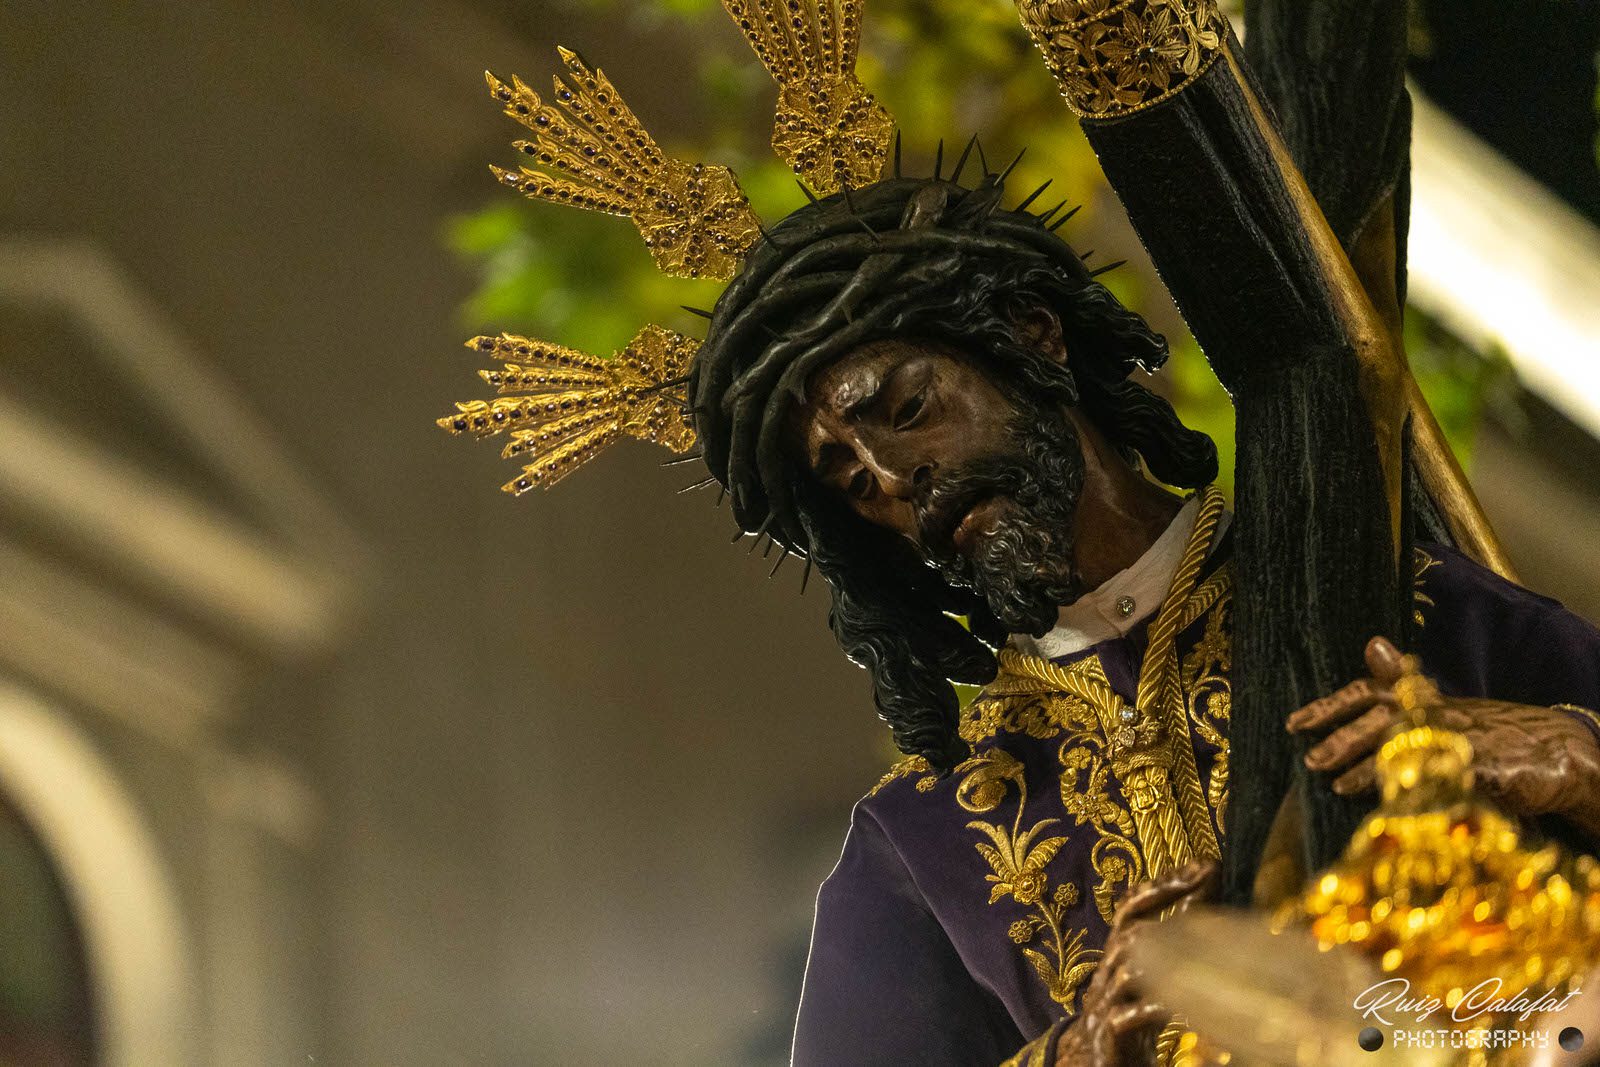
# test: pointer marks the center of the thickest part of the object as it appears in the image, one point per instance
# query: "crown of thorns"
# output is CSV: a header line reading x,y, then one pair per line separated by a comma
x,y
854,264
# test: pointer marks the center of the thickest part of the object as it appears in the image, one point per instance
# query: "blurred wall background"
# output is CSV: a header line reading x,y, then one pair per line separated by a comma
x,y
313,746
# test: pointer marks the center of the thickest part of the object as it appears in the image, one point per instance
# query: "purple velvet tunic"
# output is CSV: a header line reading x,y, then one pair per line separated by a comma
x,y
967,913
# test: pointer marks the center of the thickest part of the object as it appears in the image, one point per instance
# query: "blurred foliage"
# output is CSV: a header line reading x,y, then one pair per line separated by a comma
x,y
944,68
1461,383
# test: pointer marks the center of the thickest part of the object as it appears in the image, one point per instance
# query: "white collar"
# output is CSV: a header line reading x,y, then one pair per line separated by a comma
x,y
1125,599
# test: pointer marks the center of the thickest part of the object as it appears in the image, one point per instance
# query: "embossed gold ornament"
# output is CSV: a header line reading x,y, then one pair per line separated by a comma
x,y
694,218
829,128
561,406
1114,58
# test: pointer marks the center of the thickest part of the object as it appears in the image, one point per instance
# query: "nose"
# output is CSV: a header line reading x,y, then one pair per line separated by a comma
x,y
902,471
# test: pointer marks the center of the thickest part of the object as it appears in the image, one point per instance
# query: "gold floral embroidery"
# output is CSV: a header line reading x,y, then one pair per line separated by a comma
x,y
902,769
1086,759
1104,739
1034,715
1095,724
1017,858
1116,764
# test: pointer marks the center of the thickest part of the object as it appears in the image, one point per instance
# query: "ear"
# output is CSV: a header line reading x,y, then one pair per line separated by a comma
x,y
1039,328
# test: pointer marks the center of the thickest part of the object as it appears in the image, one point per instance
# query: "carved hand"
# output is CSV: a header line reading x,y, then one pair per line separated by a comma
x,y
1532,760
1116,1021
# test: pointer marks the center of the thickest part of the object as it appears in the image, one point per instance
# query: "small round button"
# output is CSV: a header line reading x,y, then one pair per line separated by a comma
x,y
1125,606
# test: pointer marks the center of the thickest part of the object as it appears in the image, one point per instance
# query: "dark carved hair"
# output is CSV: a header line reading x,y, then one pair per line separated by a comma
x,y
933,261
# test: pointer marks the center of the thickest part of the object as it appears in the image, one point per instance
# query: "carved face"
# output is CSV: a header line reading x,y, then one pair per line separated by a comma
x,y
922,440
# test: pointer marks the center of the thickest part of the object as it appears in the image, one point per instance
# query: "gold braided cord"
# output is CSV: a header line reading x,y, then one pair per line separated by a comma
x,y
561,407
1140,758
1090,687
1158,677
595,154
1154,684
1206,594
1171,810
1155,767
1174,846
829,128
1112,58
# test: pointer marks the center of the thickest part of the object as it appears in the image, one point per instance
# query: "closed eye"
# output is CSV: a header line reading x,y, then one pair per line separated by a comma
x,y
860,484
907,413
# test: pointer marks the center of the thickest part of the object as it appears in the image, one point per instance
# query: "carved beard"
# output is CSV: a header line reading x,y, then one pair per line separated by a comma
x,y
1024,569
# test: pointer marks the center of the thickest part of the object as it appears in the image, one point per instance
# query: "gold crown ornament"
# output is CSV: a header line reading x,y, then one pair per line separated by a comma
x,y
567,406
588,150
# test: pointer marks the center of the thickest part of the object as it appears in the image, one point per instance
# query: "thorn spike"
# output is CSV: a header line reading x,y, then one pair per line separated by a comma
x,y
897,152
1062,221
766,235
961,164
805,577
1108,267
1034,195
938,161
1001,180
781,557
